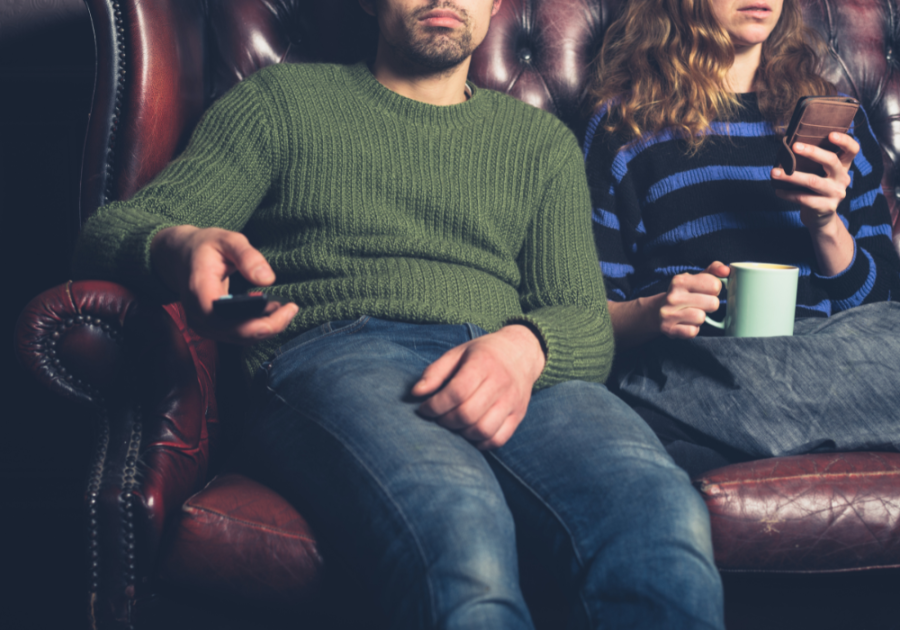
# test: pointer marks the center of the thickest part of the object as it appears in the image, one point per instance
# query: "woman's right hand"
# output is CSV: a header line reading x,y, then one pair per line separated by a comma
x,y
677,313
690,298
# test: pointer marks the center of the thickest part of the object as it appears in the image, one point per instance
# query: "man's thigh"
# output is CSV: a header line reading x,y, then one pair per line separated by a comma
x,y
594,492
348,391
587,455
410,506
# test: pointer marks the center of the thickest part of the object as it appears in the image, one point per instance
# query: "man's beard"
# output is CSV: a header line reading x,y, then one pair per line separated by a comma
x,y
435,48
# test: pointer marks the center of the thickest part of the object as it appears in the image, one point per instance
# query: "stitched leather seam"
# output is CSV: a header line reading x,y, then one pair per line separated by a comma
x,y
823,476
267,528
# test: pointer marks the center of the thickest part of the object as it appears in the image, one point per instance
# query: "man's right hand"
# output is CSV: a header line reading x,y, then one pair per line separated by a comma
x,y
689,299
196,264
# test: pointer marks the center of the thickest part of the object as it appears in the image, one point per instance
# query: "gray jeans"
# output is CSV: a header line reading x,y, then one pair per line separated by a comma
x,y
833,386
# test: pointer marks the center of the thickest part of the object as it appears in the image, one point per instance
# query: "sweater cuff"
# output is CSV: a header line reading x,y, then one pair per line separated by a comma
x,y
125,256
848,288
151,283
134,264
569,356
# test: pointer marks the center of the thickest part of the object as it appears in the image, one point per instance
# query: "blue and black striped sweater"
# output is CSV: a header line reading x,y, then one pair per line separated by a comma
x,y
659,212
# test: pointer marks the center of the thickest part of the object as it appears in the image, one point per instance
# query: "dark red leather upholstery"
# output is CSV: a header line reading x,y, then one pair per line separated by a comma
x,y
826,512
238,539
152,381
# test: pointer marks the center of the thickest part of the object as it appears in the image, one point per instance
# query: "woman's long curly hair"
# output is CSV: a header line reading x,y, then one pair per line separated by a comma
x,y
664,63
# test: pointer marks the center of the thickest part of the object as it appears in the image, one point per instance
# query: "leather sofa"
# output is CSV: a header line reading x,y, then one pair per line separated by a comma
x,y
176,540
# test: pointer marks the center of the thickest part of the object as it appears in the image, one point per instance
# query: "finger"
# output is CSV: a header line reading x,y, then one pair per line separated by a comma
x,y
690,316
702,283
683,332
438,373
682,306
460,388
503,410
849,147
247,259
819,204
473,412
685,321
719,269
829,160
488,425
798,178
274,322
250,331
809,181
206,286
503,434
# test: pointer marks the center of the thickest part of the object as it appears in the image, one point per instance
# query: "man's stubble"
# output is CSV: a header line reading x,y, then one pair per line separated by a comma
x,y
435,48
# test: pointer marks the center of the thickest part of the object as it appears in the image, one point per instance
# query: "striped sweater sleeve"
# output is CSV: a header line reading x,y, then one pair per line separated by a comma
x,y
874,273
616,213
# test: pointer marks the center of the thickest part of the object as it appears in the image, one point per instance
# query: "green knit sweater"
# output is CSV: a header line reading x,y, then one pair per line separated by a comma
x,y
368,203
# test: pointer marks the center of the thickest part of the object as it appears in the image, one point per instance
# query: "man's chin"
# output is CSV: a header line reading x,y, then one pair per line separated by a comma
x,y
437,63
438,56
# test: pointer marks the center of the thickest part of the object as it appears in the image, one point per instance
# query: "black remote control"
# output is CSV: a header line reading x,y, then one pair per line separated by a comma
x,y
240,307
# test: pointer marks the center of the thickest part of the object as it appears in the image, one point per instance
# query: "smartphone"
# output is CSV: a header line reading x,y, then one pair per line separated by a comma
x,y
241,307
813,119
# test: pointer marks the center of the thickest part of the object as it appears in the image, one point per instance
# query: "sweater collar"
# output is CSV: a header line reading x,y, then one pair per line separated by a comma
x,y
367,88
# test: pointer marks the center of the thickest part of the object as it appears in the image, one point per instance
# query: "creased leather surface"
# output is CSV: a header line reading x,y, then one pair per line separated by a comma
x,y
238,538
824,512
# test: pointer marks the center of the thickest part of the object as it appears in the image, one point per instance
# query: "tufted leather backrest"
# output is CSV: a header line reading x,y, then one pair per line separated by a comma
x,y
162,62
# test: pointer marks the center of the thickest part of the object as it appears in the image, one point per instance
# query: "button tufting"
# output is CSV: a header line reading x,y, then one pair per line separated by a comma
x,y
524,55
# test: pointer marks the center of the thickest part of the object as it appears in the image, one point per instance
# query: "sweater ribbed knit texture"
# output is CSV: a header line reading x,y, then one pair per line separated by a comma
x,y
659,212
368,203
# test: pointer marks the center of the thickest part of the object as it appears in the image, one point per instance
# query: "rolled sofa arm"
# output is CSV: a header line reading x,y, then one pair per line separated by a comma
x,y
151,381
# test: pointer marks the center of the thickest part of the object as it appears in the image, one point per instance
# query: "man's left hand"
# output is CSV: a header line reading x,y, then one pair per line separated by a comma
x,y
481,389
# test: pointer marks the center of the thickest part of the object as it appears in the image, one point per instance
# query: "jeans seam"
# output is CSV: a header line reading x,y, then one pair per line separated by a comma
x,y
559,520
422,556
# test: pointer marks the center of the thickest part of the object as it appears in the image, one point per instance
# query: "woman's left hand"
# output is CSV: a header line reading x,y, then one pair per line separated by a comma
x,y
820,201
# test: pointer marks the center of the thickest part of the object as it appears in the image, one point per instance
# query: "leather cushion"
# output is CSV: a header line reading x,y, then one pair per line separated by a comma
x,y
811,513
238,539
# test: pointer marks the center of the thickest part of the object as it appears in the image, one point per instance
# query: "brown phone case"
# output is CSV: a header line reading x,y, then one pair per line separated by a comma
x,y
813,119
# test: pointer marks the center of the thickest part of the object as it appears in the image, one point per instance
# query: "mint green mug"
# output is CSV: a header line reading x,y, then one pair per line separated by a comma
x,y
762,298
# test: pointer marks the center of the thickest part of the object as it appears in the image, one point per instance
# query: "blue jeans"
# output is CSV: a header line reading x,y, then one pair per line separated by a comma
x,y
833,386
430,523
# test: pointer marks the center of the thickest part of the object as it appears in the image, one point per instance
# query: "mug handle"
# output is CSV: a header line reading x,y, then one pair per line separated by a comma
x,y
712,322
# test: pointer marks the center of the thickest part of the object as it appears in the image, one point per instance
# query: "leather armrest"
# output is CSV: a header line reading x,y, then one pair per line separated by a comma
x,y
137,364
809,513
70,337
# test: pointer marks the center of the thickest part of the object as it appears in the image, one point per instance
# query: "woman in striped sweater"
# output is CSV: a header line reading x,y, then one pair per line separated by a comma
x,y
693,97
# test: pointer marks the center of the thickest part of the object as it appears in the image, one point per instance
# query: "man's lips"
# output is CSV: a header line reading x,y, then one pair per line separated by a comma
x,y
442,18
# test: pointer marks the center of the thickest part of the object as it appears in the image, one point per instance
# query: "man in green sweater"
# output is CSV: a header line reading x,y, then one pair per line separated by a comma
x,y
430,369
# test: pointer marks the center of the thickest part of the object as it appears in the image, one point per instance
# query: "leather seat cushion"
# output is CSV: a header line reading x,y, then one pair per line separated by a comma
x,y
237,538
811,513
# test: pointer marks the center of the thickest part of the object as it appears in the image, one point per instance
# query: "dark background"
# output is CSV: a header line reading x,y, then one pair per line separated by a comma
x,y
46,81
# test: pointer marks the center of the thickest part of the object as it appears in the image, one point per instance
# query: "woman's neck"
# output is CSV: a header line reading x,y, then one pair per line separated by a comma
x,y
742,74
